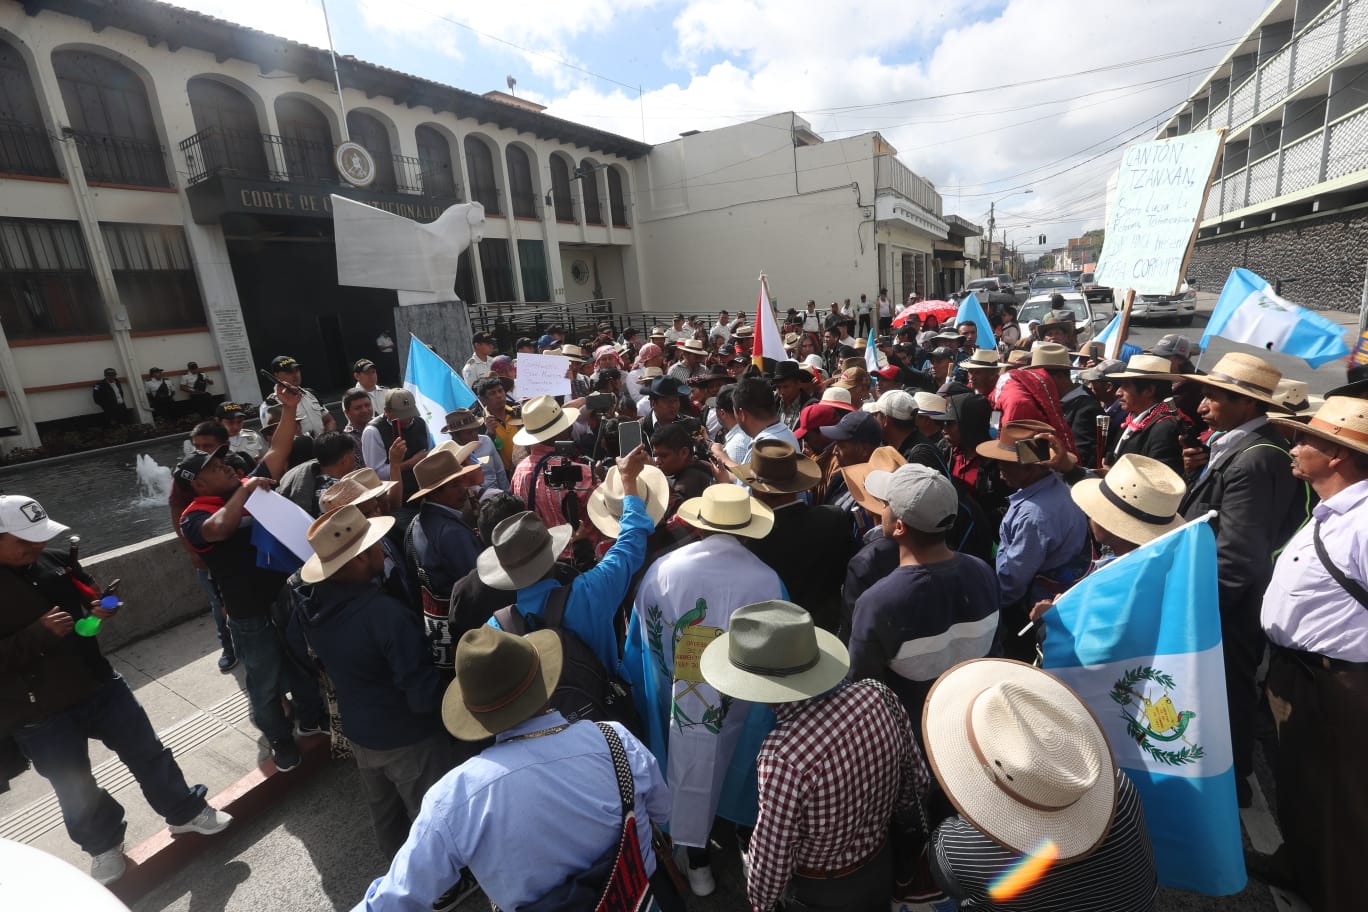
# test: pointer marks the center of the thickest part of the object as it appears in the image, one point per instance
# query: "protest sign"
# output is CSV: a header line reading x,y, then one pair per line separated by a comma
x,y
1160,193
542,375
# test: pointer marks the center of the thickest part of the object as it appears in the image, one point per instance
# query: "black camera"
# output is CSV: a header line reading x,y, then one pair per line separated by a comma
x,y
567,471
598,402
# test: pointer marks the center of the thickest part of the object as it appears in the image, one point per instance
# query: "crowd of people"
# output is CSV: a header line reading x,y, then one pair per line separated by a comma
x,y
788,598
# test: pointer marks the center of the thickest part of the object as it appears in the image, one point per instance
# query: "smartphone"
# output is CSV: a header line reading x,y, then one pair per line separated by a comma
x,y
629,436
1032,451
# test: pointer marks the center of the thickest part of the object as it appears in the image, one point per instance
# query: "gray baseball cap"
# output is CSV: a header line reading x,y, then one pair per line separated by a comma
x,y
921,497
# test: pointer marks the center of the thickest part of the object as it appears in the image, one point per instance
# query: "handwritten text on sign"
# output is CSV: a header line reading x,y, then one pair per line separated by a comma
x,y
1159,194
542,375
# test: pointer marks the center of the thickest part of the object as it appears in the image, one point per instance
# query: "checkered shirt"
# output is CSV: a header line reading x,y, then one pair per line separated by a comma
x,y
831,774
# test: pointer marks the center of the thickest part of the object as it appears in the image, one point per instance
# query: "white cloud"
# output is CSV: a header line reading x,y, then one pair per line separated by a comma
x,y
298,20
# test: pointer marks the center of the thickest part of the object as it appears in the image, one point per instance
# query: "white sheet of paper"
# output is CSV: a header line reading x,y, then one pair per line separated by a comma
x,y
542,375
283,519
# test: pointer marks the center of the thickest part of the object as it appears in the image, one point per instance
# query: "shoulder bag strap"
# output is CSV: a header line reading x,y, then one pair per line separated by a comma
x,y
554,612
626,787
511,620
1351,586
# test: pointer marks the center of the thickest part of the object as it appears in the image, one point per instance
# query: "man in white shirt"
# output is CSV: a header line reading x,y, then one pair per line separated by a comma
x,y
679,332
313,418
477,365
885,312
721,331
812,320
862,316
195,384
160,395
366,375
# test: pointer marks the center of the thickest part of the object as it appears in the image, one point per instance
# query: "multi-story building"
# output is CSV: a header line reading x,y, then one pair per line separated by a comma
x,y
1290,195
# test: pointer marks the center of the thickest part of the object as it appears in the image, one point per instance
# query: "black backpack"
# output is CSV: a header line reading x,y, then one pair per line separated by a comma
x,y
586,689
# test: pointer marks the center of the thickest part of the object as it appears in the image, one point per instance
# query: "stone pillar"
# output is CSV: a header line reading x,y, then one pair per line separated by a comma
x,y
444,325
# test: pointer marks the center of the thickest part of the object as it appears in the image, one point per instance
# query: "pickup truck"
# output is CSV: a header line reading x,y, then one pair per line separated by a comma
x,y
1094,292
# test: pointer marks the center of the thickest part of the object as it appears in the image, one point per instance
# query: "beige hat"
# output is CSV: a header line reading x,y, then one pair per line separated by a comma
x,y
792,339
744,332
982,359
1018,357
657,332
1244,375
605,503
501,680
522,551
650,373
1020,756
365,477
1003,449
573,352
339,536
1342,420
773,653
775,467
838,397
1137,500
930,405
544,419
1295,396
1051,356
883,459
727,508
442,464
1146,367
399,404
693,347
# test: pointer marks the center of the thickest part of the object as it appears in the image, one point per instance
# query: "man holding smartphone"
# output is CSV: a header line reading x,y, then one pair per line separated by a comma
x,y
1044,535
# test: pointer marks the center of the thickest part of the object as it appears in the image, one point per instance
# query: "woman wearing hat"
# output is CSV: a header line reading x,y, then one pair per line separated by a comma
x,y
1027,765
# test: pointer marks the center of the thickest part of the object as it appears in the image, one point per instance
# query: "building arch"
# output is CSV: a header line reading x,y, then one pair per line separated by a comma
x,y
25,144
480,153
375,133
307,138
523,186
228,118
589,173
619,198
438,166
110,112
562,194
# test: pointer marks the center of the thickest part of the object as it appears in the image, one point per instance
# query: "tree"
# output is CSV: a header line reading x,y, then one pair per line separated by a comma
x,y
1045,263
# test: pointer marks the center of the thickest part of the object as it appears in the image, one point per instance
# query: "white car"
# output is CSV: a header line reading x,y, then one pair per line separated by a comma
x,y
1089,321
1179,308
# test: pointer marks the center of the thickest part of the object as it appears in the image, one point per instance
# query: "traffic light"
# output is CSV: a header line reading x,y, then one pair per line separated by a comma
x,y
1042,239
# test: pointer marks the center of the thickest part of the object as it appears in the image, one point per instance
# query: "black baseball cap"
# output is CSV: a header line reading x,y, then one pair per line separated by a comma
x,y
482,338
283,364
859,426
188,469
230,410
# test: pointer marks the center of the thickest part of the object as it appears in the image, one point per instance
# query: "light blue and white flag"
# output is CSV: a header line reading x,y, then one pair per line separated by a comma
x,y
436,388
871,352
1140,641
1114,347
1249,311
971,311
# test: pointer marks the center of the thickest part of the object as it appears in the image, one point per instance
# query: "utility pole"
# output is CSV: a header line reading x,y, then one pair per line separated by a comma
x,y
992,208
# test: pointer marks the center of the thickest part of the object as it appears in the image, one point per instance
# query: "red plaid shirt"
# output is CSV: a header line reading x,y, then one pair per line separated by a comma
x,y
831,773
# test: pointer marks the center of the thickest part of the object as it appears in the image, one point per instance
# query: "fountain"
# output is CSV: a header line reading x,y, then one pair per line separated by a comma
x,y
154,482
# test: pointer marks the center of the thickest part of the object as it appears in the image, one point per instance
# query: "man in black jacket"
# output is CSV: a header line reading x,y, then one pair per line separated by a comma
x,y
809,546
1153,427
109,396
1259,505
57,692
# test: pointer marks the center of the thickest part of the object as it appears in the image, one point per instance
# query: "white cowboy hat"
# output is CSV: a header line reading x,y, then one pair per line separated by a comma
x,y
727,508
1137,500
339,536
605,504
1296,397
1020,756
1146,367
773,653
543,419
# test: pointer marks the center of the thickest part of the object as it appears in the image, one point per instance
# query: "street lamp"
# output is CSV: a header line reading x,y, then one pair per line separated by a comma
x,y
992,223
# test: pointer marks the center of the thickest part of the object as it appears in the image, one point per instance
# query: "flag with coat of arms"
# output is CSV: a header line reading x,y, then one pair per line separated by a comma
x,y
1139,639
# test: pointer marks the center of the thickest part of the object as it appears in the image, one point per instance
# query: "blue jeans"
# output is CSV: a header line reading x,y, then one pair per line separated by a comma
x,y
270,675
60,751
215,608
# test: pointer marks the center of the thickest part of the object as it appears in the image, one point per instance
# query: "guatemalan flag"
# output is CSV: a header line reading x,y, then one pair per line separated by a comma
x,y
971,311
436,388
1249,311
1115,347
1139,639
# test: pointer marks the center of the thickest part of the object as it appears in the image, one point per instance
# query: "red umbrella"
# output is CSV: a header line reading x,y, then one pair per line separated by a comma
x,y
941,310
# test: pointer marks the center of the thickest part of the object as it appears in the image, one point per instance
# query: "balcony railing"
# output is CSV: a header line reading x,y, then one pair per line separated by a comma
x,y
894,175
26,149
120,159
262,156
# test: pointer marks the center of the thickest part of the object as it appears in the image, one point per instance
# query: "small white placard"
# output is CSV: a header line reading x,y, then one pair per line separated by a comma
x,y
542,375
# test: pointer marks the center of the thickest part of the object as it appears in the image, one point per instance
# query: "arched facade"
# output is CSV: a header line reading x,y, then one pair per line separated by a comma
x,y
437,166
306,139
24,144
374,136
522,187
588,176
228,125
108,111
484,187
561,196
617,195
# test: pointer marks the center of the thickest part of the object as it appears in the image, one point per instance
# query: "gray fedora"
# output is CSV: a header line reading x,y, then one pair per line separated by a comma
x,y
773,653
522,552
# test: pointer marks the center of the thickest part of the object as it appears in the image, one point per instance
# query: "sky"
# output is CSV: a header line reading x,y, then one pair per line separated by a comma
x,y
984,98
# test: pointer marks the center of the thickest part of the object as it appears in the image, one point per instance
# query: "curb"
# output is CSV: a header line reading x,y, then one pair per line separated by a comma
x,y
154,859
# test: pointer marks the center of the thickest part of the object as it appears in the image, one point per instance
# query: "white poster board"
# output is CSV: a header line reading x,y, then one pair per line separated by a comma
x,y
1160,191
542,375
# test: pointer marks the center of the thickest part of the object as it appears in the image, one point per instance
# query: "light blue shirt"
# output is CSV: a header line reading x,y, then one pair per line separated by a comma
x,y
776,431
596,594
1043,530
524,816
495,476
737,444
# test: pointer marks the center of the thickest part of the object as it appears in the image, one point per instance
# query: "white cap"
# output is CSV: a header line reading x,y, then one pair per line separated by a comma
x,y
23,517
896,404
921,497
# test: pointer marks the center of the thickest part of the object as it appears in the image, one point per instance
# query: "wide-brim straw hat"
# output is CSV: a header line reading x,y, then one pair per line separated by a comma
x,y
982,359
522,551
501,680
443,463
544,419
773,653
837,396
883,459
776,468
1051,356
1295,396
1342,420
1021,756
605,503
1137,501
1003,449
693,347
366,477
1146,367
573,352
339,536
727,508
1244,375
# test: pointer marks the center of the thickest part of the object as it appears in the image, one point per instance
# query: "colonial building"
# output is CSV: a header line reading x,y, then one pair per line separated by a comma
x,y
1290,196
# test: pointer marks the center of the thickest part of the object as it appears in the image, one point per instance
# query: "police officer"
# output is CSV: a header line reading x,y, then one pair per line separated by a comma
x,y
478,364
314,419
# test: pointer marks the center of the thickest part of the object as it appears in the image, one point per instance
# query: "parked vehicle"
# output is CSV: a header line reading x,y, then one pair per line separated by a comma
x,y
1094,292
1179,308
1049,283
992,294
1088,319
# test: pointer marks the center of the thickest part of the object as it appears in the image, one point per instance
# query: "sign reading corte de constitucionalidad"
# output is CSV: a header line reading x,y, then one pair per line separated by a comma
x,y
1160,191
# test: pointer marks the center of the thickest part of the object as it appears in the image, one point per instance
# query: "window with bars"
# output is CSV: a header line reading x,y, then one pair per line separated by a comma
x,y
617,198
46,286
483,188
588,175
496,267
560,190
520,182
155,276
536,280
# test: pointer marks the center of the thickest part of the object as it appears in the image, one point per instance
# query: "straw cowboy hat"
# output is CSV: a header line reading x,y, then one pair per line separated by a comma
x,y
776,468
982,359
838,397
744,332
544,419
1295,396
727,508
1244,375
693,347
1020,756
1051,356
605,504
773,653
1146,367
339,536
1004,448
573,352
930,405
501,680
521,552
444,463
884,459
1136,501
1342,420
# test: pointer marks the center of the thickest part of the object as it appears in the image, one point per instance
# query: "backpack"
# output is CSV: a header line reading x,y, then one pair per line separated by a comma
x,y
586,689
